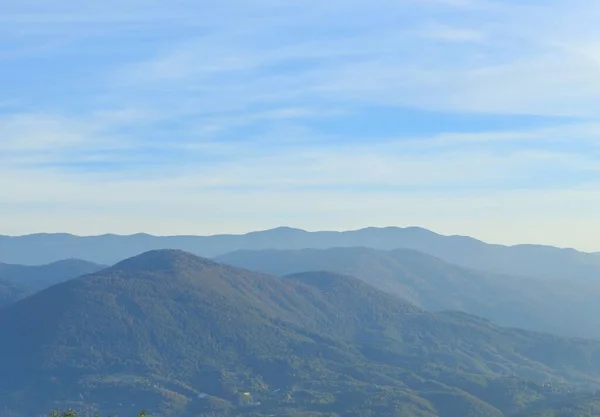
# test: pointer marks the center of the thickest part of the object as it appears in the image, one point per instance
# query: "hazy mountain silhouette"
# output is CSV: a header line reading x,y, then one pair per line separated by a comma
x,y
187,335
556,306
19,281
529,260
46,275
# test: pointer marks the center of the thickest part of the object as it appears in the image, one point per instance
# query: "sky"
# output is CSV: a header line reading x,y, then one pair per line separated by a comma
x,y
471,117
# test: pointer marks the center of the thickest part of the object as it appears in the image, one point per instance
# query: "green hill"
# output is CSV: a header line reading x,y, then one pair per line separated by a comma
x,y
437,285
182,335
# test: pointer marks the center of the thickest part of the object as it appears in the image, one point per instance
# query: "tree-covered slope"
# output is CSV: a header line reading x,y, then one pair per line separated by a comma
x,y
11,292
562,307
184,335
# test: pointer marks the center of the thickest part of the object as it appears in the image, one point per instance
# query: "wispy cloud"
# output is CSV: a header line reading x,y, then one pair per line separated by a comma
x,y
452,114
451,34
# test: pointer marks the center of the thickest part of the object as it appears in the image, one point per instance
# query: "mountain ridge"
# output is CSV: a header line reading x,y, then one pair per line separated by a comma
x,y
525,260
565,307
296,230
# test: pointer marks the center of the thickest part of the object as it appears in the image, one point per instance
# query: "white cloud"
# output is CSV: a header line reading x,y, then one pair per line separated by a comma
x,y
492,59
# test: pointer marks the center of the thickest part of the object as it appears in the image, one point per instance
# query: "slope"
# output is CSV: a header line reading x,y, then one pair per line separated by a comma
x,y
44,276
11,292
181,334
527,260
562,307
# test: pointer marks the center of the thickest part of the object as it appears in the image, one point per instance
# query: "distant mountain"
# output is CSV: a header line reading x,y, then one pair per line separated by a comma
x,y
183,335
564,307
527,260
19,281
44,276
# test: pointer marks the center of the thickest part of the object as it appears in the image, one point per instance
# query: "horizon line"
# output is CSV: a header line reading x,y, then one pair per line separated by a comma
x,y
291,229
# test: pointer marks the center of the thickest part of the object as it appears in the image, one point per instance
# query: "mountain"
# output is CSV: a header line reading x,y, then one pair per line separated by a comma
x,y
528,260
11,292
184,335
564,307
44,276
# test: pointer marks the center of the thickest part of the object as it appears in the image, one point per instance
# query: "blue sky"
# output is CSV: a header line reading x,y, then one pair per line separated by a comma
x,y
475,117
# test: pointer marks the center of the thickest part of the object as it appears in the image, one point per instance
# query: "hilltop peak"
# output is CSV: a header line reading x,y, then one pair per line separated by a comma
x,y
163,259
281,230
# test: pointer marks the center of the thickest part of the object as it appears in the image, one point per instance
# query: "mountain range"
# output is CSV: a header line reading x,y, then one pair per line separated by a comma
x,y
563,307
527,260
183,335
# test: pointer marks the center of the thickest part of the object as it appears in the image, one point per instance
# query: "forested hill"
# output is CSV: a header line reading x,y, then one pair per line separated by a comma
x,y
173,332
